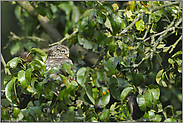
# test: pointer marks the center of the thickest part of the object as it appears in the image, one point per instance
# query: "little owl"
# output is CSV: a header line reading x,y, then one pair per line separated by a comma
x,y
57,55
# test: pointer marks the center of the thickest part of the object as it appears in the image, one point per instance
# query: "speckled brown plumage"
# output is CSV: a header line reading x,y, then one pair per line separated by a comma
x,y
57,55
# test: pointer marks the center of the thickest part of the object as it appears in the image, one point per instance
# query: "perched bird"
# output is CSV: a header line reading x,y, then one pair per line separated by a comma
x,y
57,55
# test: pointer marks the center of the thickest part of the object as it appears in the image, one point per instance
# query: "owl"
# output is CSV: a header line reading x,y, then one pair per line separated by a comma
x,y
57,55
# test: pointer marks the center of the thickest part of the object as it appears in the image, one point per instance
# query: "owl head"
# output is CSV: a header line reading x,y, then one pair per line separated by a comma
x,y
58,51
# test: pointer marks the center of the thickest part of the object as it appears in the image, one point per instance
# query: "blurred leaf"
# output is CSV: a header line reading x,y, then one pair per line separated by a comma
x,y
83,41
66,67
125,92
37,110
65,80
157,118
107,6
15,49
136,79
101,18
104,115
160,107
170,120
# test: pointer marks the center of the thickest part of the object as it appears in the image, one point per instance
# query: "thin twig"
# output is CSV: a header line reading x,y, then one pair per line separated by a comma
x,y
4,64
158,8
126,29
67,37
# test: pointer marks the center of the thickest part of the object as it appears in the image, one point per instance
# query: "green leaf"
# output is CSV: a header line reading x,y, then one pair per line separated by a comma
x,y
82,75
65,80
89,93
116,85
155,96
86,43
157,118
16,111
13,63
40,52
42,65
37,110
159,79
160,107
15,48
104,115
107,6
116,23
140,25
9,88
171,61
101,18
28,75
125,92
109,67
22,79
136,79
7,79
66,67
148,99
170,120
141,102
73,87
105,96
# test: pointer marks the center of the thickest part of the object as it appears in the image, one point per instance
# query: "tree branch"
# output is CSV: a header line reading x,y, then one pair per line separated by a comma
x,y
44,21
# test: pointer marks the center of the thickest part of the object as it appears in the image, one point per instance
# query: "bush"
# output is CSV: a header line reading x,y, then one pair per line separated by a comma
x,y
127,62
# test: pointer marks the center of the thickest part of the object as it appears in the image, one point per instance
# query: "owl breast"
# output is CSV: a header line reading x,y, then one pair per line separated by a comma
x,y
50,62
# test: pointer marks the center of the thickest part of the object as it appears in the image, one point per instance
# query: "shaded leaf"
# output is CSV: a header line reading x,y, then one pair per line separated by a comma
x,y
40,52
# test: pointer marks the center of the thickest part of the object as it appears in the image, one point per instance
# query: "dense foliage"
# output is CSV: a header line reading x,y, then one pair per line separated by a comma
x,y
136,73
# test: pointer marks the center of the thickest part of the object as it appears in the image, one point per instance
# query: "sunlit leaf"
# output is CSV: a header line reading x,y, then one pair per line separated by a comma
x,y
141,102
125,93
82,75
9,88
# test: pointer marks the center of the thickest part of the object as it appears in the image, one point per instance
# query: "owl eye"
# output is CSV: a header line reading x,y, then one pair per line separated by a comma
x,y
62,51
